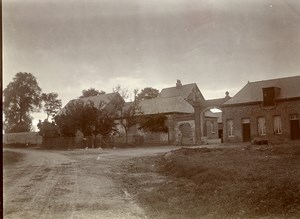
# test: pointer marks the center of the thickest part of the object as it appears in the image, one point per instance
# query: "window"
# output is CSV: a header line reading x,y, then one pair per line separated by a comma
x,y
277,125
230,128
212,127
269,96
261,126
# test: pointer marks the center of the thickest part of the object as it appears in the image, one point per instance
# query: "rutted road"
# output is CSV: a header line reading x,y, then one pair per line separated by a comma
x,y
70,184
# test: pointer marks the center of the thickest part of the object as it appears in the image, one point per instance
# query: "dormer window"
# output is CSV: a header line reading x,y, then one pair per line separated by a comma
x,y
269,95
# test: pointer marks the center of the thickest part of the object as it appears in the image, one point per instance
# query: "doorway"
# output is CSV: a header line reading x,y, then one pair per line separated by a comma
x,y
295,127
246,130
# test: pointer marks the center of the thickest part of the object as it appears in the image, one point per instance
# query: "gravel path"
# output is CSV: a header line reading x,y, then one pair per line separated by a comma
x,y
71,184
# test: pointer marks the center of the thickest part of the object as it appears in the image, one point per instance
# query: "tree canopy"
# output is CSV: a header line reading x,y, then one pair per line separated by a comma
x,y
147,93
21,97
51,104
91,92
47,129
85,117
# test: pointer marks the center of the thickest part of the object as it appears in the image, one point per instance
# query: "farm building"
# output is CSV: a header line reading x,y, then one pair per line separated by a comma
x,y
264,111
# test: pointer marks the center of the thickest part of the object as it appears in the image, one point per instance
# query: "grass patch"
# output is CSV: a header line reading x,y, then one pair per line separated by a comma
x,y
10,158
245,182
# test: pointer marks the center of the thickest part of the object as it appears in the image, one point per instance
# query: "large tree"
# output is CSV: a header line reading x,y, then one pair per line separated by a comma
x,y
21,97
91,92
51,104
147,93
77,115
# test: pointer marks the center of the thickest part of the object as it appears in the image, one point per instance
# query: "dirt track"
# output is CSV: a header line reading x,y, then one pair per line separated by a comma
x,y
70,184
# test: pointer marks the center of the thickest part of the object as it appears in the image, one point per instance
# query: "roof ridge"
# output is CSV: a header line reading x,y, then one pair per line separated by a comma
x,y
175,96
273,79
180,86
106,94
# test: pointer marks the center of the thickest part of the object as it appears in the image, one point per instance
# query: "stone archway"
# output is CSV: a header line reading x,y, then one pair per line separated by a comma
x,y
211,130
200,108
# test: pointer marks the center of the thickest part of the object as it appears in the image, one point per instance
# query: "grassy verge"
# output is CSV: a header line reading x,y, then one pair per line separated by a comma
x,y
10,157
247,182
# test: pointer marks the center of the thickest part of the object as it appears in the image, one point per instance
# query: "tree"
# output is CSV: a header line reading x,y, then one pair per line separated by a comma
x,y
77,115
47,129
148,93
84,116
129,111
21,97
154,123
91,92
122,91
105,124
52,105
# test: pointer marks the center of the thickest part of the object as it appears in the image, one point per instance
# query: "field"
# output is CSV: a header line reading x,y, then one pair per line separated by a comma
x,y
239,182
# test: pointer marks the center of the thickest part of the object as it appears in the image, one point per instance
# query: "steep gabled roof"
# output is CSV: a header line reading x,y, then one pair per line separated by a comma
x,y
252,92
175,104
183,90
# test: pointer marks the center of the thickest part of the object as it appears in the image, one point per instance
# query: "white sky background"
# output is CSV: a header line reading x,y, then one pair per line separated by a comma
x,y
73,45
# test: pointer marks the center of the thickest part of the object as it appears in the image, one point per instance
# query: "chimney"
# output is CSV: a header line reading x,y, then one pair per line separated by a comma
x,y
178,83
227,94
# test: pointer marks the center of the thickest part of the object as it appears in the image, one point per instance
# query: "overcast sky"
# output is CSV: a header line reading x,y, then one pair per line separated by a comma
x,y
73,45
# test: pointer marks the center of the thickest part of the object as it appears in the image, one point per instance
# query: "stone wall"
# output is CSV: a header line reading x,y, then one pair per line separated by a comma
x,y
237,113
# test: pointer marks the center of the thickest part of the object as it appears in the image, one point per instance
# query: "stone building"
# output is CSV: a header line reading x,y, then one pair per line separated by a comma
x,y
264,111
180,119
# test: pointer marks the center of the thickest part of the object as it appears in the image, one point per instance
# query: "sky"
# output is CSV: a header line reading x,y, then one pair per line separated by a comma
x,y
73,45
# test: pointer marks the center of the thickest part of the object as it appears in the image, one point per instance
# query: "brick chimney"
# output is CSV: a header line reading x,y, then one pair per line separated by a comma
x,y
178,83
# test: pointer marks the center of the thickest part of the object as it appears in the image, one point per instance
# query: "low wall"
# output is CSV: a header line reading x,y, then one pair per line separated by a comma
x,y
22,138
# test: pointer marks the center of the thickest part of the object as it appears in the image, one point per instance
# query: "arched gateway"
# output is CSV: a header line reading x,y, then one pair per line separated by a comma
x,y
201,107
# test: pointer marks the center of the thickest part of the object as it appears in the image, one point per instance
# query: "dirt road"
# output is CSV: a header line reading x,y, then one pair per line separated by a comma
x,y
71,184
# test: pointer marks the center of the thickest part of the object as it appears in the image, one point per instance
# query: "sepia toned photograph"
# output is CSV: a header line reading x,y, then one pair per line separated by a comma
x,y
145,109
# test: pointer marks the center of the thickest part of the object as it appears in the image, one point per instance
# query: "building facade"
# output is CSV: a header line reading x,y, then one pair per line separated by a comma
x,y
264,112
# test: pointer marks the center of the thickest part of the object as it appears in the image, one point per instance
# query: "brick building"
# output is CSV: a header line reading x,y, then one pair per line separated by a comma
x,y
264,111
177,104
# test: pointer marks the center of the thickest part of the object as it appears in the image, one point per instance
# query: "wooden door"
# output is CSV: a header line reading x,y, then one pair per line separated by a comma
x,y
246,130
295,130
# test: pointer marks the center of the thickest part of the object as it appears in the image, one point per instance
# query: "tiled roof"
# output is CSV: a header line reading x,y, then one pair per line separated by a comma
x,y
214,115
252,92
183,90
165,105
